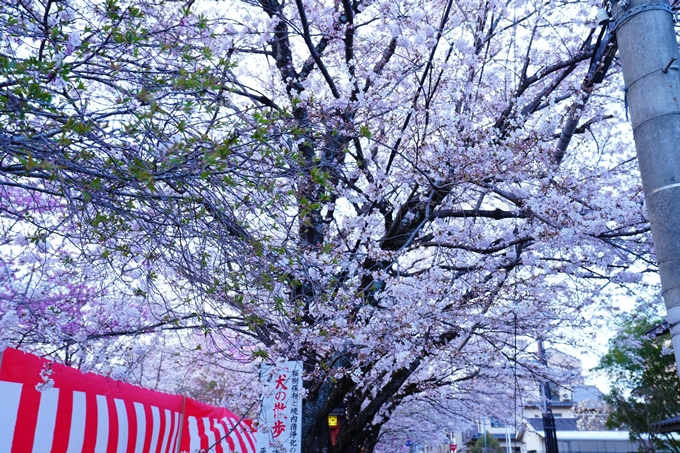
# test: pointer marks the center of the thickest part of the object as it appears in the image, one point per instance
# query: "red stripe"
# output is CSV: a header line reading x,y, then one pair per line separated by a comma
x,y
186,441
91,421
218,436
62,428
178,428
238,434
230,441
149,428
177,420
168,447
132,426
161,431
202,435
173,428
27,418
250,435
113,426
216,433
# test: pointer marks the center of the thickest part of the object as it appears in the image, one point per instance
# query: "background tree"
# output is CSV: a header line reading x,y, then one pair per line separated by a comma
x,y
645,388
372,187
487,444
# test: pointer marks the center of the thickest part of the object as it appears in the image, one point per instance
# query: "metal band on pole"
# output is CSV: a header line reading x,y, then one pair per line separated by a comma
x,y
628,14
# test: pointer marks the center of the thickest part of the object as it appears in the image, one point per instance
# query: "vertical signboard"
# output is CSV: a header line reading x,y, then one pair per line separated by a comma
x,y
280,422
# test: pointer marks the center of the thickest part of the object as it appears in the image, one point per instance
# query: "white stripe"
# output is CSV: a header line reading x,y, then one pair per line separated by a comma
x,y
47,418
141,427
166,433
102,425
239,433
122,425
241,428
10,394
235,437
223,436
175,433
208,432
78,417
156,423
243,433
248,437
194,439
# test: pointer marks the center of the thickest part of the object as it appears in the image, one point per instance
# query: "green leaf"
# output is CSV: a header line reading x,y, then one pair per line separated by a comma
x,y
364,131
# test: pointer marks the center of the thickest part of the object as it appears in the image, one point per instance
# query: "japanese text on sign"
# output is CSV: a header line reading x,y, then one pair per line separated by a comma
x,y
281,413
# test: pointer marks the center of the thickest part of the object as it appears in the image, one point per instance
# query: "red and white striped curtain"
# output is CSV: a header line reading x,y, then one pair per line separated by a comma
x,y
88,413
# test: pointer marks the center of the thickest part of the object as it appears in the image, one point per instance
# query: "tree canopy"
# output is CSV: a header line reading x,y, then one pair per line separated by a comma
x,y
644,377
372,187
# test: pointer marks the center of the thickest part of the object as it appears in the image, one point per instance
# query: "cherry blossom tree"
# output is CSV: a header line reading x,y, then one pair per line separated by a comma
x,y
371,187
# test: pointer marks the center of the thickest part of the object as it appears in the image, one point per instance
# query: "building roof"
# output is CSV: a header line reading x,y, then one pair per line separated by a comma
x,y
586,393
561,424
669,425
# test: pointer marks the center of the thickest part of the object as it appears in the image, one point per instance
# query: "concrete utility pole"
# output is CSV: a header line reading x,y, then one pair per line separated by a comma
x,y
549,427
649,51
